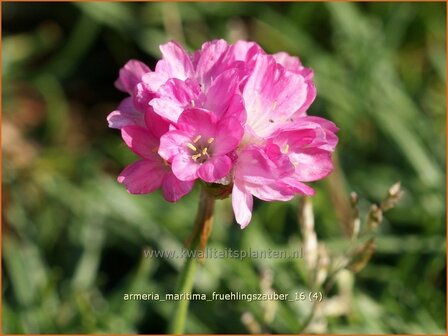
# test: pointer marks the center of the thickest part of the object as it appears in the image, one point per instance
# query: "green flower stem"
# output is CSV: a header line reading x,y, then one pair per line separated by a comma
x,y
203,224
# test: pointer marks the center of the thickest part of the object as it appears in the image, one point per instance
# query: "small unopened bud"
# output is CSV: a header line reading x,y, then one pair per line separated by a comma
x,y
395,189
393,196
354,199
374,218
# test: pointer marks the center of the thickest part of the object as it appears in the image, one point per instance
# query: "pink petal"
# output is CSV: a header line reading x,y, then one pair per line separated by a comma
x,y
175,97
174,189
211,61
130,75
125,115
274,191
242,203
228,136
184,167
142,95
215,168
176,62
312,164
272,95
246,51
199,121
172,144
329,139
221,92
143,176
236,110
293,186
309,149
295,140
311,95
156,124
324,123
293,64
141,141
255,166
307,131
152,81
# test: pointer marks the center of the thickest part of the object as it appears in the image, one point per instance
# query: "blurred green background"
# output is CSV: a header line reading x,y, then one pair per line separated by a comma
x,y
73,237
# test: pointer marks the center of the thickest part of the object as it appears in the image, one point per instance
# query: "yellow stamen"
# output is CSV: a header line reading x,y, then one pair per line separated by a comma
x,y
197,138
210,140
196,156
192,147
286,149
204,151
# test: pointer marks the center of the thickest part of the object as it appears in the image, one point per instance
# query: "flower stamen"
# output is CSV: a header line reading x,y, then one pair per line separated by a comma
x,y
191,146
210,140
197,138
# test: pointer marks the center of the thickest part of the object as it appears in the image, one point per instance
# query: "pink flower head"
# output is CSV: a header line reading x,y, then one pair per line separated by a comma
x,y
232,116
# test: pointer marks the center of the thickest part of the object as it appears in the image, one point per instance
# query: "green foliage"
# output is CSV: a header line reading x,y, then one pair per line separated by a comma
x,y
73,239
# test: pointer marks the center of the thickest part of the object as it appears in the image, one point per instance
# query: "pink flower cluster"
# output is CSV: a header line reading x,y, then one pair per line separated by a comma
x,y
230,116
